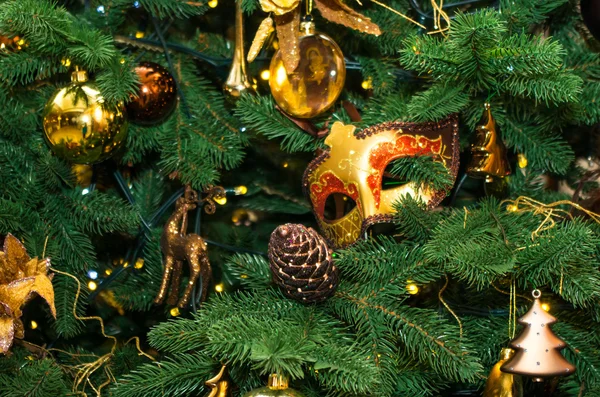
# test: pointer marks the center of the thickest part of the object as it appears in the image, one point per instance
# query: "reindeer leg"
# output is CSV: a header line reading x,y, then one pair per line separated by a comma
x,y
194,247
162,292
175,283
206,275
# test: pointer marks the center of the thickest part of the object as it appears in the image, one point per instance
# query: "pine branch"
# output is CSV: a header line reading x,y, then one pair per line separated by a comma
x,y
251,270
43,378
424,171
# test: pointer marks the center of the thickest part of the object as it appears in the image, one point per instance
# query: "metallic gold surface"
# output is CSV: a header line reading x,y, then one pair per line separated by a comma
x,y
353,169
220,385
279,7
537,347
21,278
277,387
157,96
79,126
500,384
318,80
488,150
238,82
178,246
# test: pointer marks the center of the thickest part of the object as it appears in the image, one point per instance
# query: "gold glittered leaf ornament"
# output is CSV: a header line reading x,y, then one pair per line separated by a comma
x,y
21,277
288,31
338,12
262,34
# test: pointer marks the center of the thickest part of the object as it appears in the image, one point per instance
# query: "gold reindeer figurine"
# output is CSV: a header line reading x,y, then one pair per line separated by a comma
x,y
178,246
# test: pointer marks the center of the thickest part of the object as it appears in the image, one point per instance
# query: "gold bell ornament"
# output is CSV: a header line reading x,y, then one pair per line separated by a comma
x,y
488,151
238,82
278,387
537,347
500,384
79,126
318,80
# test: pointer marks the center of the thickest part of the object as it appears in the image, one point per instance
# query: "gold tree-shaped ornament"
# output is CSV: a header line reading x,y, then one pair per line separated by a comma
x,y
537,347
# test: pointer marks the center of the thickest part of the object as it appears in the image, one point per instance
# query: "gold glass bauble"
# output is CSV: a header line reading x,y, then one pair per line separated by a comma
x,y
318,80
278,387
500,384
79,126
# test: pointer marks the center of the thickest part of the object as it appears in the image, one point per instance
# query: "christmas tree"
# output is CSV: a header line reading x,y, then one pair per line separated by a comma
x,y
361,210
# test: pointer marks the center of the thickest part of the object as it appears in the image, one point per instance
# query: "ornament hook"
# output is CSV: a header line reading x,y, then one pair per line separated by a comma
x,y
536,293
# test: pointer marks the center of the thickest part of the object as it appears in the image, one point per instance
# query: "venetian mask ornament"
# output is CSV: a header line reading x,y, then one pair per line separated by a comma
x,y
348,178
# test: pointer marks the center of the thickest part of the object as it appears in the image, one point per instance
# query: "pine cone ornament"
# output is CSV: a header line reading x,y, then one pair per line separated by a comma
x,y
301,263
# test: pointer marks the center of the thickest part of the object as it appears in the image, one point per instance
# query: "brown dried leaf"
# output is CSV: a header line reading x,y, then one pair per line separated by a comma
x,y
338,12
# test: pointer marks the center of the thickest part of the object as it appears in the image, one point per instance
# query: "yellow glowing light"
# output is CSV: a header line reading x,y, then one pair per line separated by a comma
x,y
92,285
221,200
139,35
174,312
33,324
522,160
125,264
240,190
21,42
244,276
511,208
280,75
2,46
412,288
275,45
66,62
219,287
265,74
235,219
285,165
367,84
139,263
108,272
122,61
213,3
546,307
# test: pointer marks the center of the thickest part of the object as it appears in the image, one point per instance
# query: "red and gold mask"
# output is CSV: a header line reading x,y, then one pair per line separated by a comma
x,y
352,171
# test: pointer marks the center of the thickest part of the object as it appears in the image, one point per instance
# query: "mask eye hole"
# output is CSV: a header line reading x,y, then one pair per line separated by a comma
x,y
390,179
337,206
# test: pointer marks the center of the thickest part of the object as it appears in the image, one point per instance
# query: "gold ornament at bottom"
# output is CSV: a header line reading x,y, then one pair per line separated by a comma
x,y
500,384
79,126
317,82
220,385
278,387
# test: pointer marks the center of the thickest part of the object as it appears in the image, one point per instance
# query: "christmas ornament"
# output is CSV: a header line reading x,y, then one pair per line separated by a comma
x,y
277,387
318,80
79,126
500,384
11,43
178,246
590,12
262,33
286,14
220,385
21,278
157,96
238,82
538,348
350,174
301,263
488,151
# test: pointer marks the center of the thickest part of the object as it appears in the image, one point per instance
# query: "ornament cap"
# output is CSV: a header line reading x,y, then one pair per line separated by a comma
x,y
506,353
79,76
277,382
307,27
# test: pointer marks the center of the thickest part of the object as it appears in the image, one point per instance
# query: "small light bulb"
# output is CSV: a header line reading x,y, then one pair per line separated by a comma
x,y
511,208
125,264
33,324
546,307
285,165
412,288
92,285
240,190
213,3
122,61
92,274
265,74
174,312
139,35
221,200
219,287
522,160
244,276
367,84
139,263
108,272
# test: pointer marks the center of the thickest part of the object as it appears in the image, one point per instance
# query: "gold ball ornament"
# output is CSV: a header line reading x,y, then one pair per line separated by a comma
x,y
278,387
79,126
318,80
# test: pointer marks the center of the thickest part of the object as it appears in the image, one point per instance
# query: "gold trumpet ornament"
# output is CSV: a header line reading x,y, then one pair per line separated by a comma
x,y
488,151
238,82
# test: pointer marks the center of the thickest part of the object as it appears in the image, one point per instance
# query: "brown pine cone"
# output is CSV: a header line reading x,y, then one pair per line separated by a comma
x,y
301,263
